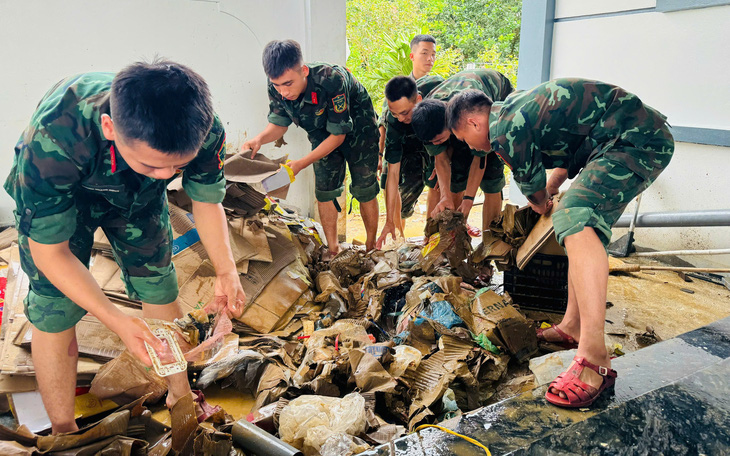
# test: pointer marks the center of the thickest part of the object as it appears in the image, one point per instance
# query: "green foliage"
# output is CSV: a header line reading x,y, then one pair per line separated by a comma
x,y
396,61
490,57
472,25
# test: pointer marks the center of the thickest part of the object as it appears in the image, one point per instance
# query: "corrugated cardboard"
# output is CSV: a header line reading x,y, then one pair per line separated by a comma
x,y
495,316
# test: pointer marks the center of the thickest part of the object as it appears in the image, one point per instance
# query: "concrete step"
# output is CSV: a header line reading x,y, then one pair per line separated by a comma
x,y
672,395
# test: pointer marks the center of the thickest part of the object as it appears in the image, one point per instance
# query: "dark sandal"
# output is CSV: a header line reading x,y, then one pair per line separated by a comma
x,y
208,410
578,393
568,342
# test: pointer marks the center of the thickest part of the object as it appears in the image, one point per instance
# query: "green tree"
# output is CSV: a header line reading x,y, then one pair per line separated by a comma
x,y
472,25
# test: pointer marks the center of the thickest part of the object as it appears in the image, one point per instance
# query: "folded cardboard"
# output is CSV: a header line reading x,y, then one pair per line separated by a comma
x,y
503,324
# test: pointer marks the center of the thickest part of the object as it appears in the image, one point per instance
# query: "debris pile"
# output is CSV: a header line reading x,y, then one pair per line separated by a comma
x,y
339,356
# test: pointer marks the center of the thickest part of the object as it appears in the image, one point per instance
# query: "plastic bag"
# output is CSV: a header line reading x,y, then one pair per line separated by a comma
x,y
308,421
343,445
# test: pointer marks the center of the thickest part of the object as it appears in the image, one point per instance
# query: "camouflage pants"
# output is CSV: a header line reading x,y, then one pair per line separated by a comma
x,y
329,172
415,169
607,184
492,180
142,247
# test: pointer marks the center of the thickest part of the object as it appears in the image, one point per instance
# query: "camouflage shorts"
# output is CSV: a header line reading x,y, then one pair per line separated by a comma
x,y
492,180
415,169
606,185
142,246
329,172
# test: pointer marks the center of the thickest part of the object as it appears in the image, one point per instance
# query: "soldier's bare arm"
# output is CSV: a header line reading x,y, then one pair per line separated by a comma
x,y
556,179
442,166
210,220
476,171
270,134
325,148
392,205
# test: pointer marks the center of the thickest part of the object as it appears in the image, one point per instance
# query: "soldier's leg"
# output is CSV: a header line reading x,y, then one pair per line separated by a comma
x,y
363,163
142,247
54,316
55,356
583,222
329,176
411,181
492,184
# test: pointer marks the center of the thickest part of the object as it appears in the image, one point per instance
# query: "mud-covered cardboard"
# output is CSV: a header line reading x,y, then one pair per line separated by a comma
x,y
503,324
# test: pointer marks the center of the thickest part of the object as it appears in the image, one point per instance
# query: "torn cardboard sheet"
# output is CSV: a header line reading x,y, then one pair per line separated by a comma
x,y
446,235
241,168
504,325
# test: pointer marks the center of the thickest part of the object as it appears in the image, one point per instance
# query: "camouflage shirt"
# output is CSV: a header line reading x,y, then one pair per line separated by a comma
x,y
491,82
63,157
565,123
333,103
400,136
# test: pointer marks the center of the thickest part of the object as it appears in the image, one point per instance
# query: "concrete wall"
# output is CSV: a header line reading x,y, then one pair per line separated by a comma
x,y
677,62
42,41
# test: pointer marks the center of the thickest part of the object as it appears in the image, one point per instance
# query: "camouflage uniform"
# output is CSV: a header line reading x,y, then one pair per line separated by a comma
x,y
335,103
402,146
67,180
497,87
609,139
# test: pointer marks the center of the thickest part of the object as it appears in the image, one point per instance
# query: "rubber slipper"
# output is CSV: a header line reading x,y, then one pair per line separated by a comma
x,y
578,393
568,342
473,231
207,409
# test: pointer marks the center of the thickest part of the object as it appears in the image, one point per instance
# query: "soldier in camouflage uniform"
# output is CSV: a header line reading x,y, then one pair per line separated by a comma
x,y
614,146
455,163
336,112
75,169
409,167
423,57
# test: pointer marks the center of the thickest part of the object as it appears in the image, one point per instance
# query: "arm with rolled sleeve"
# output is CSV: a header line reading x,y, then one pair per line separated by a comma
x,y
279,122
205,184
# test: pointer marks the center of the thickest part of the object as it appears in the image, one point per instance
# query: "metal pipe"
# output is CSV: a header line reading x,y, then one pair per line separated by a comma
x,y
254,439
683,252
677,219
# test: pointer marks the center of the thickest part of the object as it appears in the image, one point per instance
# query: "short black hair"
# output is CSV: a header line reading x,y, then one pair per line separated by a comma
x,y
464,103
162,103
421,39
429,119
401,87
280,56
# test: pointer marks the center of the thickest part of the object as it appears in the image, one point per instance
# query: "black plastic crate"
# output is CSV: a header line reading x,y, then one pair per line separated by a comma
x,y
542,285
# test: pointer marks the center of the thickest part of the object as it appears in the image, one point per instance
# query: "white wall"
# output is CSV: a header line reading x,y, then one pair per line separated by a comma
x,y
678,63
42,41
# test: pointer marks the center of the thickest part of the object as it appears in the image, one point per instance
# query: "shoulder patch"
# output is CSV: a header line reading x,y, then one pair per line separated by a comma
x,y
339,103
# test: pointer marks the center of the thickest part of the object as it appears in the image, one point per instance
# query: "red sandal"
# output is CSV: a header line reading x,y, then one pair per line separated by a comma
x,y
473,231
568,342
578,393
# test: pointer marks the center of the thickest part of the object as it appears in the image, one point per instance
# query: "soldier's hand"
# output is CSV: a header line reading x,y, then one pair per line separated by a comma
x,y
543,208
134,332
252,144
445,203
296,166
380,165
465,207
388,228
229,295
